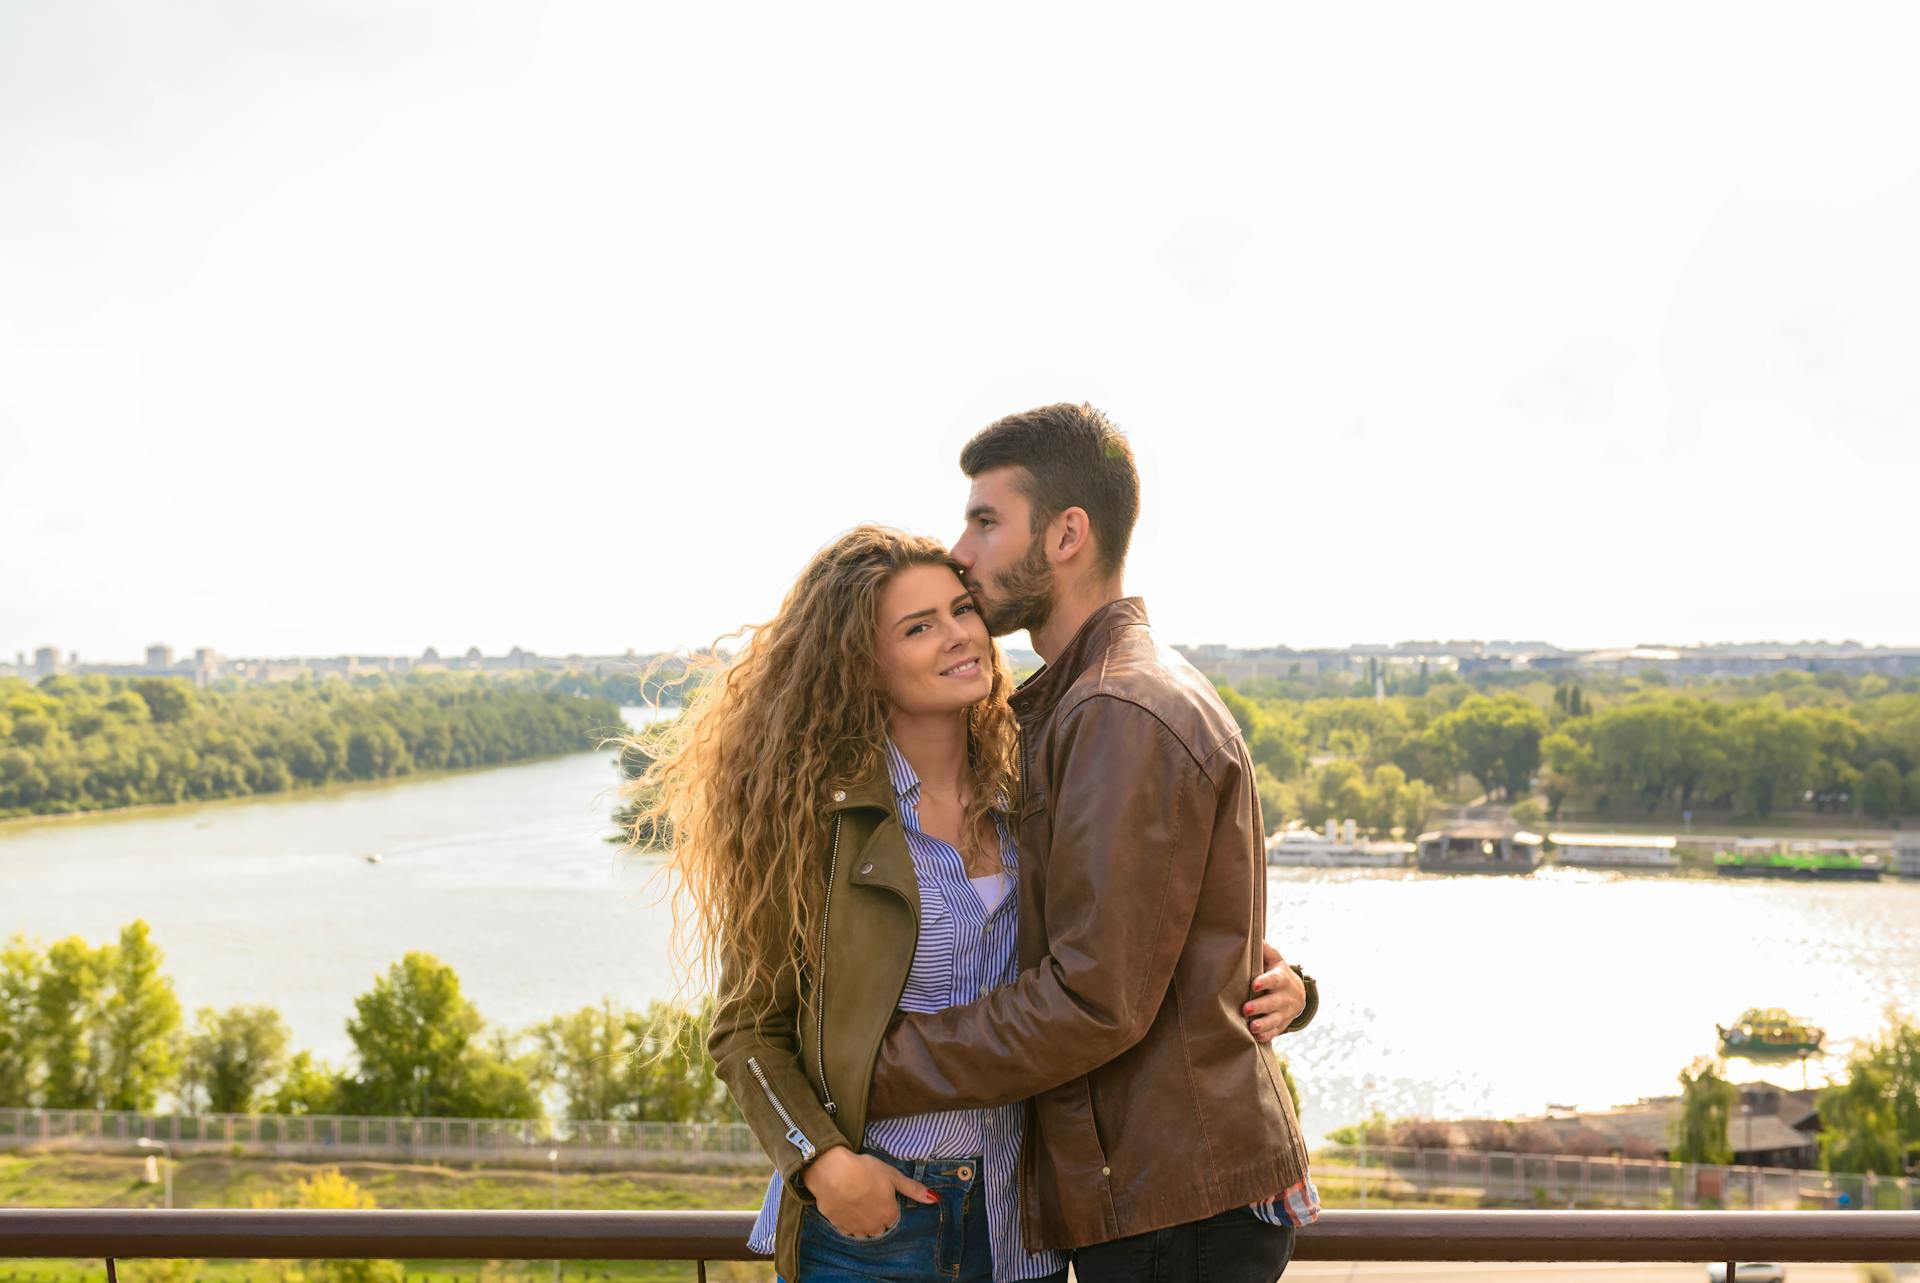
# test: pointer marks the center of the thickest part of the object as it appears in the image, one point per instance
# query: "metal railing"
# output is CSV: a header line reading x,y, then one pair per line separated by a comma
x,y
1370,1170
333,1137
1340,1235
1562,1179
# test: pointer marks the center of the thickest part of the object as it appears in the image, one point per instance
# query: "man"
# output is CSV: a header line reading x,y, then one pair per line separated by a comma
x,y
1162,1143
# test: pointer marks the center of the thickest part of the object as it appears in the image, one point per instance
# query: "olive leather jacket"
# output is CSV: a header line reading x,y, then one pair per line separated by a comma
x,y
798,1060
1142,911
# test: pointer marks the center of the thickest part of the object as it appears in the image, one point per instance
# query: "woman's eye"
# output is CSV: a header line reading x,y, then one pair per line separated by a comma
x,y
916,628
966,609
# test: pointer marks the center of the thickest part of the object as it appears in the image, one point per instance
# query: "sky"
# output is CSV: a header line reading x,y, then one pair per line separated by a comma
x,y
368,326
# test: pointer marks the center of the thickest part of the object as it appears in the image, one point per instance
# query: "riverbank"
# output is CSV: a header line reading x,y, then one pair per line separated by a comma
x,y
12,824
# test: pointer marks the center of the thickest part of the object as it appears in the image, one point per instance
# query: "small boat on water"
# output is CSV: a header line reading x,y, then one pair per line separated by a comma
x,y
1825,860
372,857
1340,847
1770,1031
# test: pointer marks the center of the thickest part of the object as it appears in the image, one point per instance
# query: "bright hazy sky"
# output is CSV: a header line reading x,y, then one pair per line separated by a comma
x,y
370,326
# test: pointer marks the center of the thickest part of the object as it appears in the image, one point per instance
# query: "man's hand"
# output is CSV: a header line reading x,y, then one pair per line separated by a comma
x,y
858,1194
1278,997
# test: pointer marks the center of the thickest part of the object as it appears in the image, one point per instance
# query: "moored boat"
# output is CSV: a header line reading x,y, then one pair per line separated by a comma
x,y
1479,848
1770,1031
1614,850
1828,860
1340,847
1906,854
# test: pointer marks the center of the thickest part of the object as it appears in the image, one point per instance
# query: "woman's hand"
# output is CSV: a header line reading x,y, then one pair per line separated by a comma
x,y
1279,997
858,1194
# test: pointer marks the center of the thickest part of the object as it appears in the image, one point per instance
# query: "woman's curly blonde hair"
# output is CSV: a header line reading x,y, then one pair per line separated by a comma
x,y
740,782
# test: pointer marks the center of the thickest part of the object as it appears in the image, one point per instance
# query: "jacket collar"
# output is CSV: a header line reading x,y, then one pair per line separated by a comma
x,y
873,790
1043,690
882,858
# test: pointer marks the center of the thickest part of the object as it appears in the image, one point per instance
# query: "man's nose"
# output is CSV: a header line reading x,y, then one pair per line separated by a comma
x,y
962,551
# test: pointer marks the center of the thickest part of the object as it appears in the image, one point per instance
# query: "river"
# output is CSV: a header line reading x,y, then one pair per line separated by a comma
x,y
1452,996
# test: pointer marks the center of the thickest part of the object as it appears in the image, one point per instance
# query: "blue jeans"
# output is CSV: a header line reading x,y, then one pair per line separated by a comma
x,y
945,1241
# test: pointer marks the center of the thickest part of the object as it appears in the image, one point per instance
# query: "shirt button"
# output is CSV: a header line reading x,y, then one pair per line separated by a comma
x,y
866,868
985,990
839,795
1106,1171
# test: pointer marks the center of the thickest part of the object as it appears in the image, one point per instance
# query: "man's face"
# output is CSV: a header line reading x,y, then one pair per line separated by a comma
x,y
1006,562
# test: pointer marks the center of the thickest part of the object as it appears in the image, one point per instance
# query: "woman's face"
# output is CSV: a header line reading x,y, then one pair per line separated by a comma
x,y
933,648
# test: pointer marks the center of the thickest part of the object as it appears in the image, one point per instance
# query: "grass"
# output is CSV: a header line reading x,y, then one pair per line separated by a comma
x,y
65,1179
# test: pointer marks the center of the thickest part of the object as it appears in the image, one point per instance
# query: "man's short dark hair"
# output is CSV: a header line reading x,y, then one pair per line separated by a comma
x,y
1074,458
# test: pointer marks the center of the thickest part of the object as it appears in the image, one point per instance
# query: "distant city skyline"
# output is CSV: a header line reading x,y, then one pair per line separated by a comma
x,y
338,328
1407,657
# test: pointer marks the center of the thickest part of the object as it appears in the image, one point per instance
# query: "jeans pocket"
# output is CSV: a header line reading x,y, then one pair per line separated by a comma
x,y
899,1219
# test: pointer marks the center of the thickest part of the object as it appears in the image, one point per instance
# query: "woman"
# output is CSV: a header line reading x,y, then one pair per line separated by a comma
x,y
838,800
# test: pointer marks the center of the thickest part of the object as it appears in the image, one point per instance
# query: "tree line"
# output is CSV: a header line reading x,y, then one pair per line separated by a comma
x,y
100,1027
86,743
1825,742
1869,1120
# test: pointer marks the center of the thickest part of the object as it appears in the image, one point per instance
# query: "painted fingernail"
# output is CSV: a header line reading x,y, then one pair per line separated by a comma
x,y
1247,1010
929,1198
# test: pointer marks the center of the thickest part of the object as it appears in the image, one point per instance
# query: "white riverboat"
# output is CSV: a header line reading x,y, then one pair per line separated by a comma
x,y
1615,850
1340,847
1906,854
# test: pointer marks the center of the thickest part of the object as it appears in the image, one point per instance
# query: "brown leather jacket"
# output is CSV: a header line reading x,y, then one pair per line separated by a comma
x,y
1142,909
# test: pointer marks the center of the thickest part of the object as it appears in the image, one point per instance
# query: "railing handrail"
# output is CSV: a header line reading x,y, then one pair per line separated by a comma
x,y
1340,1235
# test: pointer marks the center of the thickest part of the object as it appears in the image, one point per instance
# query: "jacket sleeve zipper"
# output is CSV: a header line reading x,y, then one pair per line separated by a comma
x,y
820,989
795,1137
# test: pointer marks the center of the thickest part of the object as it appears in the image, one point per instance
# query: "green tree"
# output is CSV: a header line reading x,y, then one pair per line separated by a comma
x,y
1496,739
1775,755
231,1056
667,1075
139,1016
1706,1106
67,1015
19,1023
1566,764
1881,788
420,1052
1871,1121
306,1087
585,1052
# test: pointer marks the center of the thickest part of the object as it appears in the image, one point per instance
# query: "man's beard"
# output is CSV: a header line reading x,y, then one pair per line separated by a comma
x,y
1023,595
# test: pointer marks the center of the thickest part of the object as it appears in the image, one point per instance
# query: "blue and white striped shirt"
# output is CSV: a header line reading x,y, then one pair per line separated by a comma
x,y
963,951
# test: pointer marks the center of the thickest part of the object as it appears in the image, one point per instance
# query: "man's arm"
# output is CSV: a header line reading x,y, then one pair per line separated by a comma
x,y
1123,878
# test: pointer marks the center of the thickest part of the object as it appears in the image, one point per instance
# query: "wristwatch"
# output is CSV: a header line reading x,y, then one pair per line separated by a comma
x,y
1307,1012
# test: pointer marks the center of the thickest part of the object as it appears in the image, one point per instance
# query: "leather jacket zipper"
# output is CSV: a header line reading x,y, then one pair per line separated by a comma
x,y
820,990
795,1137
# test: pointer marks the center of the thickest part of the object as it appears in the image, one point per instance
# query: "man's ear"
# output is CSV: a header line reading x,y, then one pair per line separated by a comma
x,y
1070,537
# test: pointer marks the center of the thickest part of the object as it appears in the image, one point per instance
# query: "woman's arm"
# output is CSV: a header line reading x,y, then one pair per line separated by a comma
x,y
755,1045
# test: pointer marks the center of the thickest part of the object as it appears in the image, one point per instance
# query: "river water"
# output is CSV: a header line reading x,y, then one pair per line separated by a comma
x,y
1452,996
